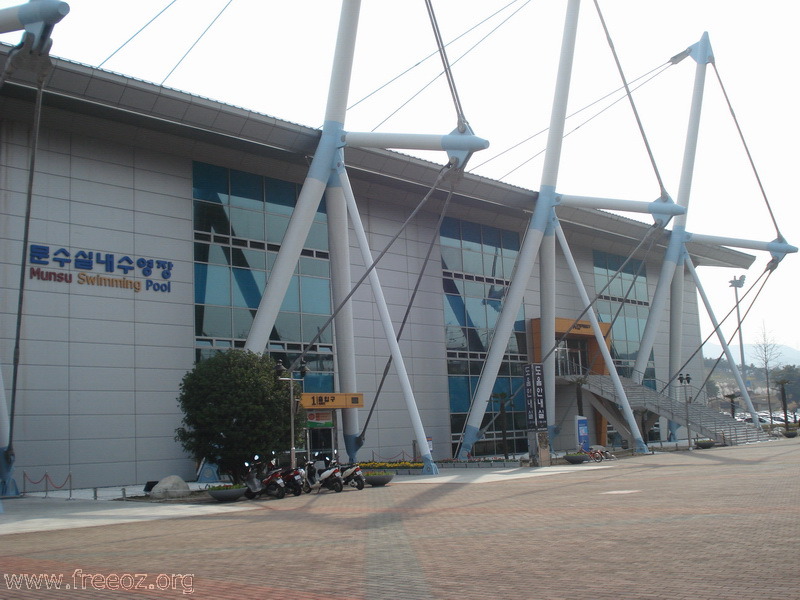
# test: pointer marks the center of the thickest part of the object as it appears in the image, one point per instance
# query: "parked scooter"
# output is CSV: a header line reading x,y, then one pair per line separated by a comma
x,y
325,475
352,476
293,479
259,483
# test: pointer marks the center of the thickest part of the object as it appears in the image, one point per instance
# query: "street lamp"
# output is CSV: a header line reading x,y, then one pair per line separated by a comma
x,y
280,370
685,380
736,284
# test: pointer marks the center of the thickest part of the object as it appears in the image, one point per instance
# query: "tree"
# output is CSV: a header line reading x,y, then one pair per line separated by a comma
x,y
234,406
767,354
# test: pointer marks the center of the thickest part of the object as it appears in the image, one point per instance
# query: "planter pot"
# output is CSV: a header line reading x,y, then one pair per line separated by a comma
x,y
228,495
575,459
790,433
378,480
704,444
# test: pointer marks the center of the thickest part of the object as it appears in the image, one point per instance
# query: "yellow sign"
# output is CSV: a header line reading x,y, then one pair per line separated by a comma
x,y
331,400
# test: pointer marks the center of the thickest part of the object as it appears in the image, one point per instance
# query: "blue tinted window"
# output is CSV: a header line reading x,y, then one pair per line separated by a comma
x,y
316,295
212,285
210,183
248,287
247,190
459,390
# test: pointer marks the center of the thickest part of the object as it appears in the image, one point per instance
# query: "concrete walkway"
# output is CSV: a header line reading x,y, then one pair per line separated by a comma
x,y
717,523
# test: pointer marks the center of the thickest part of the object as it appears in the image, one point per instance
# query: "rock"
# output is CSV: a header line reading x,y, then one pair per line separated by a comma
x,y
170,487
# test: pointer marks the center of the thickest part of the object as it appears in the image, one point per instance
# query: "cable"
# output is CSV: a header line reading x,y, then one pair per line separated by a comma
x,y
137,33
747,150
462,121
436,233
423,88
633,104
210,25
418,63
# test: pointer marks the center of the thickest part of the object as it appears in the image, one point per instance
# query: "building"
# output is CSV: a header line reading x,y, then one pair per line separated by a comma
x,y
155,219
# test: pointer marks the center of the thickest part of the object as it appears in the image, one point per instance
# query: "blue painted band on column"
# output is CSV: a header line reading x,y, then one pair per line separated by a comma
x,y
471,435
352,444
327,148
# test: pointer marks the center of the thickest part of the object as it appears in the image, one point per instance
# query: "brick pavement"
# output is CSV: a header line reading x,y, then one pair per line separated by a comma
x,y
717,523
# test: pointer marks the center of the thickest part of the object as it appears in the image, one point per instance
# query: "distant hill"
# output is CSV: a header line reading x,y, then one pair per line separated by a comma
x,y
788,356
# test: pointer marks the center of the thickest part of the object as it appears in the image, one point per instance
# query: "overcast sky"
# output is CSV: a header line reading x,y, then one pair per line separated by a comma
x,y
275,58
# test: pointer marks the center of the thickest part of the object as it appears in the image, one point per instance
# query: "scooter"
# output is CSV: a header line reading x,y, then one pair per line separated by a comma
x,y
352,475
326,475
293,479
259,484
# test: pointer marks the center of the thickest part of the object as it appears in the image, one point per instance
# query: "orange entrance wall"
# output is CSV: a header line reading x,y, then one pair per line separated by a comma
x,y
581,329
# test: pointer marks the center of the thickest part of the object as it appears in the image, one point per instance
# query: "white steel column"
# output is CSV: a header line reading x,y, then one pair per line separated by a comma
x,y
341,281
429,467
314,186
622,398
723,342
540,220
701,52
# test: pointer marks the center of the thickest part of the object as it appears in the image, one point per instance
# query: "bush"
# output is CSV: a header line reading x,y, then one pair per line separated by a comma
x,y
234,406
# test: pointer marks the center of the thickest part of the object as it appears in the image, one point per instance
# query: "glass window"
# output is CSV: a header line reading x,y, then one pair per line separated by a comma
x,y
451,259
281,196
212,285
248,287
450,232
454,313
291,301
312,325
212,321
250,259
317,236
287,327
315,295
247,190
212,253
276,228
459,391
209,183
242,322
212,218
471,236
314,266
247,224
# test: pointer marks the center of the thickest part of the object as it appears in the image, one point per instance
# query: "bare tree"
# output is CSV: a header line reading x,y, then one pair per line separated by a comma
x,y
767,355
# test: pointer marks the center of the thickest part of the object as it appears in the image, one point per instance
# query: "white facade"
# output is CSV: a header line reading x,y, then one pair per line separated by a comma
x,y
100,365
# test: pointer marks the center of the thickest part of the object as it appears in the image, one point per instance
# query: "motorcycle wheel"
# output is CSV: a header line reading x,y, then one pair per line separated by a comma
x,y
360,483
306,487
249,494
280,492
296,489
337,486
598,457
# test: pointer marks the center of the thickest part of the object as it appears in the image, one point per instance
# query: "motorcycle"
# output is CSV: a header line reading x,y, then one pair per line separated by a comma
x,y
352,476
259,483
325,476
293,478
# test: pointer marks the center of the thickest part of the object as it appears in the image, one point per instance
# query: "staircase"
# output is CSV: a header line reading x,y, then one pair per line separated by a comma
x,y
702,419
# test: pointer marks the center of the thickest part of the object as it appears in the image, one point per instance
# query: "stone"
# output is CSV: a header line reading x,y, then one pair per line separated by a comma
x,y
170,487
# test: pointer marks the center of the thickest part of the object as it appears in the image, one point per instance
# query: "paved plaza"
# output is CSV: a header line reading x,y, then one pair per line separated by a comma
x,y
719,523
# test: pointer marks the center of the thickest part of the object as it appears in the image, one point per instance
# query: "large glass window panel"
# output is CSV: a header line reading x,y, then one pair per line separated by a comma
x,y
248,287
312,324
291,301
473,262
280,195
212,253
242,322
471,236
318,382
276,228
247,190
317,236
455,338
209,183
287,328
450,232
476,312
315,295
250,259
212,284
454,310
212,321
459,391
491,239
247,224
314,266
212,218
451,259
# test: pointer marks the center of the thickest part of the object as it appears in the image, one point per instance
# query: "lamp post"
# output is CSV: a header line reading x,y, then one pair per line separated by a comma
x,y
736,284
685,380
280,370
